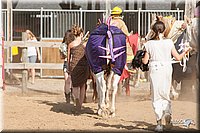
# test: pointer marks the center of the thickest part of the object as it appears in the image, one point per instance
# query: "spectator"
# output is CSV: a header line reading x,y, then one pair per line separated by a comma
x,y
68,38
32,54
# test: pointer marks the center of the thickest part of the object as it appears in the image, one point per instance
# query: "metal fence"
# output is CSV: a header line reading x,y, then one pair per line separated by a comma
x,y
51,23
4,22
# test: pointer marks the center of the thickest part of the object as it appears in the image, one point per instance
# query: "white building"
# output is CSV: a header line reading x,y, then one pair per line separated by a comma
x,y
96,4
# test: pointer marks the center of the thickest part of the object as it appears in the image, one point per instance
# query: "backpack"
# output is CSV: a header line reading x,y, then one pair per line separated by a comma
x,y
137,61
63,51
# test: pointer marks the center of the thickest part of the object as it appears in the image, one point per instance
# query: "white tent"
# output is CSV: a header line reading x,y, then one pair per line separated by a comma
x,y
37,4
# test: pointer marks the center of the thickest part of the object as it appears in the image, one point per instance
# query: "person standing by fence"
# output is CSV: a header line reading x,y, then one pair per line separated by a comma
x,y
158,53
32,54
79,68
68,38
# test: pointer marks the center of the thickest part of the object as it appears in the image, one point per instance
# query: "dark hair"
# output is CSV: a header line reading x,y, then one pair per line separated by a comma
x,y
198,4
69,37
158,27
76,30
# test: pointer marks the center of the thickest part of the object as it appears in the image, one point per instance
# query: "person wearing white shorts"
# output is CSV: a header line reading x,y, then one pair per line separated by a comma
x,y
32,53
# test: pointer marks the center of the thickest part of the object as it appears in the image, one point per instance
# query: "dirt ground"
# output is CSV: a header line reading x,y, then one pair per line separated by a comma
x,y
43,108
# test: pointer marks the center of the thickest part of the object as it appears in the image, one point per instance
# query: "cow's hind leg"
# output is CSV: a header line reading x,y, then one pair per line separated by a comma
x,y
173,93
108,85
115,82
101,90
95,95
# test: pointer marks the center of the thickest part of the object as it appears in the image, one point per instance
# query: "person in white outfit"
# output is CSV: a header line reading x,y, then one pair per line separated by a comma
x,y
158,54
32,53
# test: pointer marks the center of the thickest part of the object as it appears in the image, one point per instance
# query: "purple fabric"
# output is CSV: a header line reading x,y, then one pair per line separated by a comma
x,y
98,38
197,11
110,43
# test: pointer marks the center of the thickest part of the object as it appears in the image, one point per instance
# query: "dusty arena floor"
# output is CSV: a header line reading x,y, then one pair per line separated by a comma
x,y
43,108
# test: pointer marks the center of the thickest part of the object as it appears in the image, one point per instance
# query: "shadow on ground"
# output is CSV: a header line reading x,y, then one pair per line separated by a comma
x,y
66,108
43,92
145,126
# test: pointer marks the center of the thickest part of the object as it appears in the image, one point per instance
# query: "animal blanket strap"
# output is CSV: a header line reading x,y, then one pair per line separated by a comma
x,y
106,43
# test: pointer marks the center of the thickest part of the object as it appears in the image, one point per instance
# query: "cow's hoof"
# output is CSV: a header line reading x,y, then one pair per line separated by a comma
x,y
112,114
105,113
107,105
176,97
99,112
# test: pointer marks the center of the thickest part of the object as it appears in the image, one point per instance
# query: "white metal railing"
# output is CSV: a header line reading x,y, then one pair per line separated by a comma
x,y
145,19
24,65
4,22
52,23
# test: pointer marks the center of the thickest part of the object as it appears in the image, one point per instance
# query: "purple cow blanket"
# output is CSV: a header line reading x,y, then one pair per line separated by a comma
x,y
96,48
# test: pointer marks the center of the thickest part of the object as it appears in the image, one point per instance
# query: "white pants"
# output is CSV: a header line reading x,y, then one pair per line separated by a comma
x,y
160,78
161,107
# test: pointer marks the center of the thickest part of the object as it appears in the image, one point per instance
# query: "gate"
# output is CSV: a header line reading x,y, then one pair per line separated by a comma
x,y
51,24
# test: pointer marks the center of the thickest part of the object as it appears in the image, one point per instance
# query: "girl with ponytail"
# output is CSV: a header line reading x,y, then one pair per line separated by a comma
x,y
158,52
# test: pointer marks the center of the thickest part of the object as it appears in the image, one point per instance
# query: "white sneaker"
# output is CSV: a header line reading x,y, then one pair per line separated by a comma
x,y
159,128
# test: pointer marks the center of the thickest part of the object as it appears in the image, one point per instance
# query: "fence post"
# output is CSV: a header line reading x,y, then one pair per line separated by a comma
x,y
41,23
178,13
41,34
81,17
24,60
139,10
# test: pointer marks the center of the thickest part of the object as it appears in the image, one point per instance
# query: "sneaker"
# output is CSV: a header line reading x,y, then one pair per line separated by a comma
x,y
159,128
